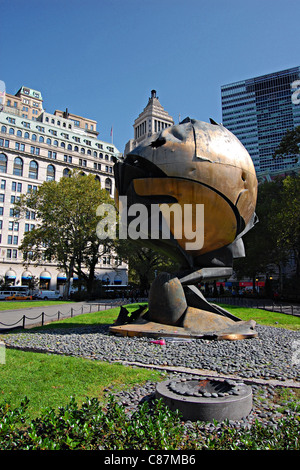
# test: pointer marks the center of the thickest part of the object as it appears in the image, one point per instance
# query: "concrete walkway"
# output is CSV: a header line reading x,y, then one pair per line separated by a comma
x,y
34,316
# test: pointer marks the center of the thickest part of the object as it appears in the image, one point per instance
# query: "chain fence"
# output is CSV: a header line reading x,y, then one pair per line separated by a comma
x,y
264,304
47,318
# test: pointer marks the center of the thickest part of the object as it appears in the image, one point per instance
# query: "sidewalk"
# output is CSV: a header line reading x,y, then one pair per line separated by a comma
x,y
33,316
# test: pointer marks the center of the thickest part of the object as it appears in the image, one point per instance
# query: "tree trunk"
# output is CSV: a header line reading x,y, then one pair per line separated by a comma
x,y
69,275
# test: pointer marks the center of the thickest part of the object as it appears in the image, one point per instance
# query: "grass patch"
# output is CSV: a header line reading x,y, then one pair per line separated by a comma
x,y
264,317
261,317
106,317
16,305
50,380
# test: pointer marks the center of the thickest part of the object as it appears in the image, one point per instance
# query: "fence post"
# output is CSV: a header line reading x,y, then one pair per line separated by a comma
x,y
24,316
43,318
58,315
81,309
71,312
98,307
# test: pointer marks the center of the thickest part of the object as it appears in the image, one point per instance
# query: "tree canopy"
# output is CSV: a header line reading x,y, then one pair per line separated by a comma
x,y
66,225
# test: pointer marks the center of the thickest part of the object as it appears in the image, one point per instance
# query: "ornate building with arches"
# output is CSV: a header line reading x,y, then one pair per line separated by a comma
x,y
36,146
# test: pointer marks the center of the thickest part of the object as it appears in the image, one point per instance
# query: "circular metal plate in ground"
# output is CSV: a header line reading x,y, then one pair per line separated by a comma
x,y
206,400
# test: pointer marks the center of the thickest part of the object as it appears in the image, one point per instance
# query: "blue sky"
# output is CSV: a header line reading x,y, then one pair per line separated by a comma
x,y
102,58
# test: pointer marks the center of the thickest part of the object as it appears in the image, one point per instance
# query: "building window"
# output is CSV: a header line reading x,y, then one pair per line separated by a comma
x,y
35,150
67,172
50,173
108,185
31,188
3,184
33,170
18,167
3,163
52,154
4,143
19,146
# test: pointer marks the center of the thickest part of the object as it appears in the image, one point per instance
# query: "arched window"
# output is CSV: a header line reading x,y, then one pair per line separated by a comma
x,y
67,172
3,129
41,139
48,141
55,143
19,133
26,135
108,185
95,153
11,130
62,144
69,147
33,137
50,173
3,163
82,150
97,179
76,148
33,170
18,166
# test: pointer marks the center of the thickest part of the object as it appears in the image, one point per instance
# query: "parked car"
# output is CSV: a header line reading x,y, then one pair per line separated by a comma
x,y
19,297
48,294
4,294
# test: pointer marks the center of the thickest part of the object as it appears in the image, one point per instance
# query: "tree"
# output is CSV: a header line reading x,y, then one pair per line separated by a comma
x,y
288,219
144,263
289,144
262,244
66,228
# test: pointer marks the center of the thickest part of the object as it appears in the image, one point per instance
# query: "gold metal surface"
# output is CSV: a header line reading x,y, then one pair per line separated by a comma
x,y
209,154
220,223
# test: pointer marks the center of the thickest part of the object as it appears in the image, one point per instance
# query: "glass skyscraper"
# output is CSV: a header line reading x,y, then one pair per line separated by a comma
x,y
259,111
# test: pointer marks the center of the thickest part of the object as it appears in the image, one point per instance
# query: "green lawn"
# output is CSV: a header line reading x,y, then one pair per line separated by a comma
x,y
264,317
50,380
14,305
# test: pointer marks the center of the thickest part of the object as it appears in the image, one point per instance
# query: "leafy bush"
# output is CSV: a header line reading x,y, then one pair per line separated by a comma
x,y
153,427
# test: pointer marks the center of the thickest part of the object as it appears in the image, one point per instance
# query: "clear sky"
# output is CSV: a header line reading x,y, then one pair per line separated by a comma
x,y
101,58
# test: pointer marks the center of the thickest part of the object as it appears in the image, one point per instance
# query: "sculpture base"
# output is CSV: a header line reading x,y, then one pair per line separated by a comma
x,y
197,324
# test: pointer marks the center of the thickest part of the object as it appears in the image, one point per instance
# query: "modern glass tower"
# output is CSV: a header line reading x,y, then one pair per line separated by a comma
x,y
259,111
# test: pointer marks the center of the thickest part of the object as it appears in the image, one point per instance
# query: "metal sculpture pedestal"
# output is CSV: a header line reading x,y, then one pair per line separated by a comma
x,y
206,400
179,309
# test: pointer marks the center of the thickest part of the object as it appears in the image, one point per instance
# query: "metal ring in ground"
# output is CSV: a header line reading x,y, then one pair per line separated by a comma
x,y
233,407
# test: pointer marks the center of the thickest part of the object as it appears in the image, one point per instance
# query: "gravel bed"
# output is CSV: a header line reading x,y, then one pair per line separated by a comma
x,y
274,354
